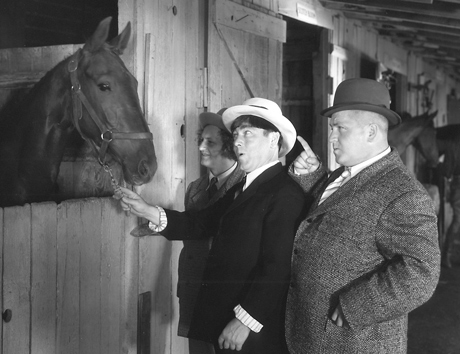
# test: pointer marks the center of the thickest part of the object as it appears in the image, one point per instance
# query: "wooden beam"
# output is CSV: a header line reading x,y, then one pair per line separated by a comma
x,y
414,18
403,25
420,1
242,18
438,9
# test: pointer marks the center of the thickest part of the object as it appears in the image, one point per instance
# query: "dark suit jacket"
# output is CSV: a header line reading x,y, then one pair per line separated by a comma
x,y
249,261
194,254
373,247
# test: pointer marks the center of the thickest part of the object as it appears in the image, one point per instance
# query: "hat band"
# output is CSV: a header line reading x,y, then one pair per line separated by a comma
x,y
358,103
259,107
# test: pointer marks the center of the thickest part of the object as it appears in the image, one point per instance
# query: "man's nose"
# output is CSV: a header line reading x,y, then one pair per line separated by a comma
x,y
332,136
237,141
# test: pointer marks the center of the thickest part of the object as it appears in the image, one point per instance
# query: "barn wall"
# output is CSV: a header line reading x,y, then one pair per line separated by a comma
x,y
167,57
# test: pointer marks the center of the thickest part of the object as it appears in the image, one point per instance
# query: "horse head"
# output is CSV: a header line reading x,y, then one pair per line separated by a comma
x,y
426,143
105,105
404,134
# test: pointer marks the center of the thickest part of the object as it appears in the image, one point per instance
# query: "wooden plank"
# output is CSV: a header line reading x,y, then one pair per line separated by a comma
x,y
309,11
155,274
194,49
239,17
68,277
43,291
392,56
129,287
213,58
90,272
320,94
112,239
196,26
2,307
144,310
16,279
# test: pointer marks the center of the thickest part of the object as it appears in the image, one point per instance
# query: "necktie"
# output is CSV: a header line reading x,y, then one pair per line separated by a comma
x,y
239,186
212,188
332,187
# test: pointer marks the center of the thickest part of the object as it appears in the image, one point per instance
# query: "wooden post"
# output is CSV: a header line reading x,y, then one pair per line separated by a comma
x,y
144,308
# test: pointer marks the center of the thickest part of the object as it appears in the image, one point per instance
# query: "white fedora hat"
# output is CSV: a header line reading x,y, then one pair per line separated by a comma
x,y
268,110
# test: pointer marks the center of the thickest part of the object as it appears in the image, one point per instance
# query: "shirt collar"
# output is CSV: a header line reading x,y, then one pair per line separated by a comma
x,y
251,176
354,170
223,176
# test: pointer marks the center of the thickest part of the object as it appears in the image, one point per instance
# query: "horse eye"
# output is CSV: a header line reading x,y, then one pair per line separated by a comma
x,y
104,87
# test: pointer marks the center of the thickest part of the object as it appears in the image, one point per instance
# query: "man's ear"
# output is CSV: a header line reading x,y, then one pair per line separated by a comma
x,y
373,130
274,138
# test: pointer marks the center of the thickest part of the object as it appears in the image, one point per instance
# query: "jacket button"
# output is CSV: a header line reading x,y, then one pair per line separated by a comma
x,y
296,251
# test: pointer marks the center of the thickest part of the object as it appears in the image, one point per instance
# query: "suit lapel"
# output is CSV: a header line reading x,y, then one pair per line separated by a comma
x,y
265,176
348,190
197,193
234,178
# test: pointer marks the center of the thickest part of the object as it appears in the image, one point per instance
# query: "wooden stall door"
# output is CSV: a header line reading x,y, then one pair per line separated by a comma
x,y
244,54
70,279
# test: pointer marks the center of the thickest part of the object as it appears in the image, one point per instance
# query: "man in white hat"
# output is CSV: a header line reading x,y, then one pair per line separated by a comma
x,y
242,298
215,144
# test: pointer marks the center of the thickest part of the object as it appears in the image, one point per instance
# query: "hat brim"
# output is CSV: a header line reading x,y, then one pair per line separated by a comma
x,y
283,124
209,118
392,117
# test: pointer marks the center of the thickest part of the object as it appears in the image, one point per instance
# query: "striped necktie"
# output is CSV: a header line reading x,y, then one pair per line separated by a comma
x,y
332,187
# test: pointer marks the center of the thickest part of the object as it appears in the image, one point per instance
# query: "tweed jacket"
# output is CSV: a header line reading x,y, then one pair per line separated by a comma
x,y
372,247
249,260
193,256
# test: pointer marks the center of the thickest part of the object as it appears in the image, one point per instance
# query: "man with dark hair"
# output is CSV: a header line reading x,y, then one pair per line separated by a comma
x,y
242,297
215,144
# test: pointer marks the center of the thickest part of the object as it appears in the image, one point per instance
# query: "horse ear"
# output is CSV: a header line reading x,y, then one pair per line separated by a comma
x,y
120,42
99,36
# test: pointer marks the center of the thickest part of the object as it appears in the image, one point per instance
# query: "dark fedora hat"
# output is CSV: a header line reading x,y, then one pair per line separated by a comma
x,y
209,118
364,95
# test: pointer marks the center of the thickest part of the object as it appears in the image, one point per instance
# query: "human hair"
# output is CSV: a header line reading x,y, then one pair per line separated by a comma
x,y
257,122
227,143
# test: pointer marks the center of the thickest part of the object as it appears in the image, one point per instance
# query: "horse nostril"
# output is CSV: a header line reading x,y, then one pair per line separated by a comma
x,y
143,168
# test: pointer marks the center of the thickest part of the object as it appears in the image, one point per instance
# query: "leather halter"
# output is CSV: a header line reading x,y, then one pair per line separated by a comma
x,y
79,99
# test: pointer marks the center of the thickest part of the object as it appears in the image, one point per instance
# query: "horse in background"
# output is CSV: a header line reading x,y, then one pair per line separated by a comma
x,y
407,133
92,93
404,134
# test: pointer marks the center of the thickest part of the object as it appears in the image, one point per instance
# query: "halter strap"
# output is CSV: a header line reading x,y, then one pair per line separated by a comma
x,y
79,99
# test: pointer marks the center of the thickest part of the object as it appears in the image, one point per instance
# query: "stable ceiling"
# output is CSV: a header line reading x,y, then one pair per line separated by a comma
x,y
429,28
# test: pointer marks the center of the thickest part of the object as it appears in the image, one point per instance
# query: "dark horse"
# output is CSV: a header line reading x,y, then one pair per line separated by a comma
x,y
91,93
405,134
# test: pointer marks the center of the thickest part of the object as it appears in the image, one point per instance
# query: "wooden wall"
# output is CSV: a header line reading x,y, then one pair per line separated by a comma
x,y
70,278
189,56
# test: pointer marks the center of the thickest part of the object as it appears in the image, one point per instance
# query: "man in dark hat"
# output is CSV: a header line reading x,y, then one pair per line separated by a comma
x,y
215,144
242,298
367,253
